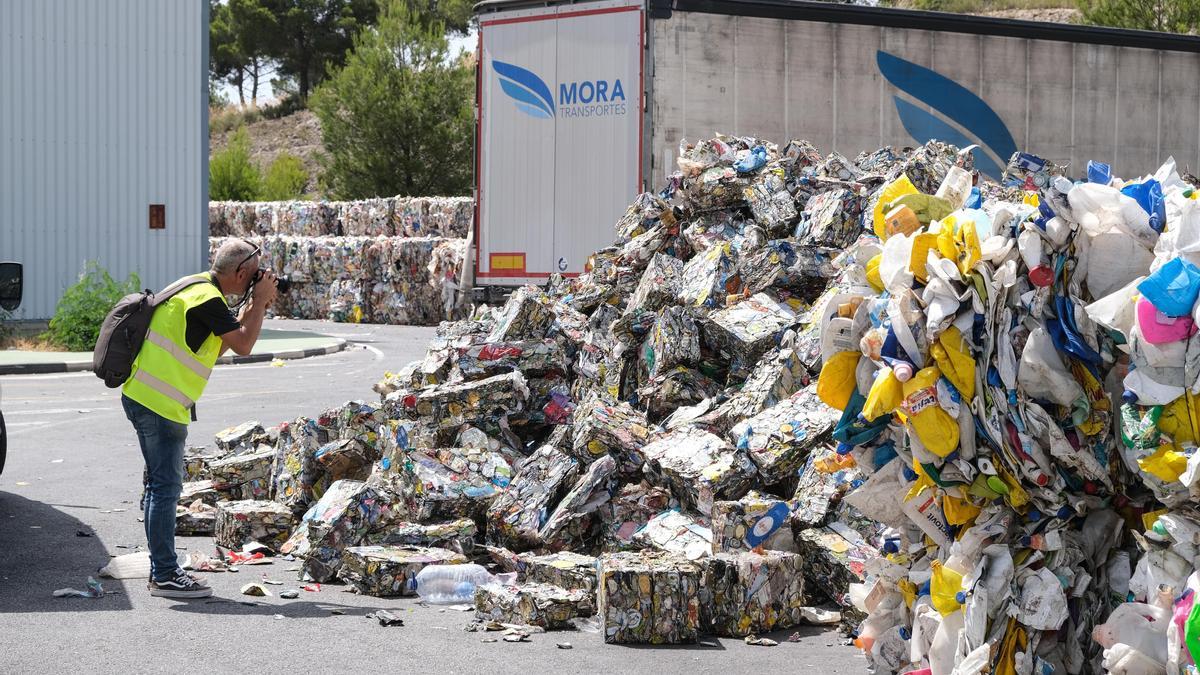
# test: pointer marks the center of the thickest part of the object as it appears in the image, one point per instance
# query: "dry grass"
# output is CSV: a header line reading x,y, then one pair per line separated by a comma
x,y
30,344
978,6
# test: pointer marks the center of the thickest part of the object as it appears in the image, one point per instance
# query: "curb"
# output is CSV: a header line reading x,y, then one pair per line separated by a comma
x,y
229,359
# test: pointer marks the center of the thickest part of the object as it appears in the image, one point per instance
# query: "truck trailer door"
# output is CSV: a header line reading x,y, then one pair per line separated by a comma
x,y
560,135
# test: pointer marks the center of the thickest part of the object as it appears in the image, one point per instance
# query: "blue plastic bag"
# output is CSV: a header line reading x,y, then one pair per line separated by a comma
x,y
1149,196
1173,289
754,161
1099,172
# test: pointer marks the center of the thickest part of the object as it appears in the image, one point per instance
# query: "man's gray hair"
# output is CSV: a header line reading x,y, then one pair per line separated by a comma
x,y
231,253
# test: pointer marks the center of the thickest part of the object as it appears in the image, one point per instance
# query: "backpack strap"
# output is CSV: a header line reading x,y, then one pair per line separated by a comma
x,y
170,291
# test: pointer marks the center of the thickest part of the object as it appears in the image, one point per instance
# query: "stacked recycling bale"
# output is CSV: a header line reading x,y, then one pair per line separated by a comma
x,y
952,477
395,260
394,280
385,216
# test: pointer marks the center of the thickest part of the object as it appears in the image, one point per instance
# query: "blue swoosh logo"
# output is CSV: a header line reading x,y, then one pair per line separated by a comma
x,y
952,100
527,90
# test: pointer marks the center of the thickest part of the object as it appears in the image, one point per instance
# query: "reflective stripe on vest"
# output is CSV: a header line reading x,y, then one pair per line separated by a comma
x,y
181,355
163,388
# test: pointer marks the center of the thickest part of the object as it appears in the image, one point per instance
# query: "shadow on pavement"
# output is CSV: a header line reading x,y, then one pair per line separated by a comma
x,y
40,552
295,609
710,642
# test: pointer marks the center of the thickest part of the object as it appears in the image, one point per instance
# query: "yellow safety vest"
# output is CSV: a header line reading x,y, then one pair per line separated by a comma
x,y
167,376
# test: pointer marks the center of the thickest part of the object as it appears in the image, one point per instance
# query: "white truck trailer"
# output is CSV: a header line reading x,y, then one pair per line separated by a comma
x,y
582,105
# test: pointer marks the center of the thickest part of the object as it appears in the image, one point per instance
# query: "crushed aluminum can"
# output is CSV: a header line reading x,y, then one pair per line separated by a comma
x,y
457,482
533,604
747,593
649,597
242,522
390,571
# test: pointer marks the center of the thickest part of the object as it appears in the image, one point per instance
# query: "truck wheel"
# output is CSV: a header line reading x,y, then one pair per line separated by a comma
x,y
3,443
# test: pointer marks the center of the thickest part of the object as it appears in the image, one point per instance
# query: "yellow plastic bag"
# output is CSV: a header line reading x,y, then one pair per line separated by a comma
x,y
897,188
1180,419
836,383
935,427
885,396
944,585
953,357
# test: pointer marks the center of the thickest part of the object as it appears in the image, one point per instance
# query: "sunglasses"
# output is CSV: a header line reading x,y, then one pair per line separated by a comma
x,y
257,250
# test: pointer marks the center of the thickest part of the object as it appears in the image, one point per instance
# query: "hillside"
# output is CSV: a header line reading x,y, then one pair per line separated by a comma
x,y
298,134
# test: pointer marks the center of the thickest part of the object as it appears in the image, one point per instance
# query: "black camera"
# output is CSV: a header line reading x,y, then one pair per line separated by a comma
x,y
282,284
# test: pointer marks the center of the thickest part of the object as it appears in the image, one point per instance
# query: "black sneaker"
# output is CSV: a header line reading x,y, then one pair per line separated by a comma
x,y
179,586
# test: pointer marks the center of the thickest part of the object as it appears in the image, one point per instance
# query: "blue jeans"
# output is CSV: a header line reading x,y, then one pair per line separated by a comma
x,y
162,447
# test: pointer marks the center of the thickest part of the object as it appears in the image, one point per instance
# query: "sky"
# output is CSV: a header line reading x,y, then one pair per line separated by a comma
x,y
457,45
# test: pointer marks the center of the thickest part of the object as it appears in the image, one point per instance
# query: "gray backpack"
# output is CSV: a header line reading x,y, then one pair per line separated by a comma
x,y
124,331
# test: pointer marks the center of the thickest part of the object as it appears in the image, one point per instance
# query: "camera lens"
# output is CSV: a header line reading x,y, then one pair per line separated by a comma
x,y
283,284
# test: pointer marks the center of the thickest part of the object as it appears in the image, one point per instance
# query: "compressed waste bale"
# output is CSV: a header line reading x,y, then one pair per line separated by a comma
x,y
649,597
347,458
778,375
572,522
831,219
678,387
629,510
297,478
831,562
824,479
196,519
748,523
602,427
779,438
242,434
391,571
244,476
659,284
709,277
457,482
452,405
242,522
340,518
516,515
770,201
676,532
748,593
202,490
532,358
526,316
698,467
533,604
456,535
673,341
195,462
746,331
564,569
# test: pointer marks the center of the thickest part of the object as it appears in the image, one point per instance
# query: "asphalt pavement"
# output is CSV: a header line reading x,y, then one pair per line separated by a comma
x,y
68,502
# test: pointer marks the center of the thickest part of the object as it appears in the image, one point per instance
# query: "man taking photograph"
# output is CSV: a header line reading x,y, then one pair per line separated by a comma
x,y
187,334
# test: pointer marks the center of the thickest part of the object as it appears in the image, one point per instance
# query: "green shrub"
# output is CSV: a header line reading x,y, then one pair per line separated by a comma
x,y
285,179
82,308
231,174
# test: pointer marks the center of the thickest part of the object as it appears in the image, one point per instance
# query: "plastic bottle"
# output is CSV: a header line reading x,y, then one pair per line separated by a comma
x,y
1030,245
451,584
945,641
956,187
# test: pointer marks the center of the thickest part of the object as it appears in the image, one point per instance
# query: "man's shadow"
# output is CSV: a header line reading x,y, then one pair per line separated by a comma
x,y
40,551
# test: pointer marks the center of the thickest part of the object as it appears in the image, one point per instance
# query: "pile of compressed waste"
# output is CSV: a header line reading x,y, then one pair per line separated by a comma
x,y
961,410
